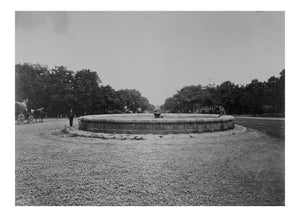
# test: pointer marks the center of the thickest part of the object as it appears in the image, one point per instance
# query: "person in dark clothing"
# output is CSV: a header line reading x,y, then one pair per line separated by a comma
x,y
71,117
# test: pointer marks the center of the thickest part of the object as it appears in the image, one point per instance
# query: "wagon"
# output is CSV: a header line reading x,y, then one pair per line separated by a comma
x,y
22,113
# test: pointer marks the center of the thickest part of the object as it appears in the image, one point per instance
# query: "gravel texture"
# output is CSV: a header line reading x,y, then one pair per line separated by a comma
x,y
236,167
75,132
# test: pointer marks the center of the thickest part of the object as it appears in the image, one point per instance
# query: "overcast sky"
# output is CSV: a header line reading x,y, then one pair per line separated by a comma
x,y
156,53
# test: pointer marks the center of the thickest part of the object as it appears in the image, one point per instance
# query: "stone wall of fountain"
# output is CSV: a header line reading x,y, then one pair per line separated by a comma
x,y
147,124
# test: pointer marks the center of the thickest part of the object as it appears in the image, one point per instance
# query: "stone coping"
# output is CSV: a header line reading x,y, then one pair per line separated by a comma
x,y
149,118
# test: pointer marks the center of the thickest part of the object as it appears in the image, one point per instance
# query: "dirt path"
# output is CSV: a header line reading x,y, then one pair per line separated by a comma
x,y
272,126
261,118
233,169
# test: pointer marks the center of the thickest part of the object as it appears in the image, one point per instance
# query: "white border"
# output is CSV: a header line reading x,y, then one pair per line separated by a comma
x,y
7,106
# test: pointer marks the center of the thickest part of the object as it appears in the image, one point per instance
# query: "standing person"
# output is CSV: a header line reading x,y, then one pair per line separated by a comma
x,y
222,111
71,117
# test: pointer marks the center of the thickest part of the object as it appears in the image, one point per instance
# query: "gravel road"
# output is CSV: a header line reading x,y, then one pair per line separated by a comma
x,y
274,127
208,169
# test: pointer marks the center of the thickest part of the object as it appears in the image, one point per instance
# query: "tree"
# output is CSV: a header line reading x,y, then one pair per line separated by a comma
x,y
112,101
189,99
252,98
89,99
134,100
30,84
59,87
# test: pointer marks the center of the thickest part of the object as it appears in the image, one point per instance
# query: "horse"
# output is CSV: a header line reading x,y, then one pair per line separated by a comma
x,y
38,114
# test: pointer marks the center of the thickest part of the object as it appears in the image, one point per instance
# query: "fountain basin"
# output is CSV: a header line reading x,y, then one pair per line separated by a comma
x,y
147,124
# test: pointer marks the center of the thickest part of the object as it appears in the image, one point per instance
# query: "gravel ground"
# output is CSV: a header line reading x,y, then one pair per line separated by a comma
x,y
234,168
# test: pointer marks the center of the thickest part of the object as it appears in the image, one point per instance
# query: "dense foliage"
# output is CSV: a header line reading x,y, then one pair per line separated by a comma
x,y
254,98
59,89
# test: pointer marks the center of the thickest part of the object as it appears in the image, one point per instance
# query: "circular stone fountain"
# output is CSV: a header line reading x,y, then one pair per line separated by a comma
x,y
147,124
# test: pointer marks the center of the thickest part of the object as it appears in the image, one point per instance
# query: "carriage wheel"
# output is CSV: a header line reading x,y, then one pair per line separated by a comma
x,y
21,119
30,119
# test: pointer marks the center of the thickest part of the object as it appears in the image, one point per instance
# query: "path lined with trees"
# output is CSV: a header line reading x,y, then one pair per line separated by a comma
x,y
255,98
59,89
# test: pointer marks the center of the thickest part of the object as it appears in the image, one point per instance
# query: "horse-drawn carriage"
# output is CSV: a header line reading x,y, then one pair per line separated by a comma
x,y
22,113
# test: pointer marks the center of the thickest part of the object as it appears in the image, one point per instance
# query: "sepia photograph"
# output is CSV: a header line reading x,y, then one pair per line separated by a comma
x,y
149,108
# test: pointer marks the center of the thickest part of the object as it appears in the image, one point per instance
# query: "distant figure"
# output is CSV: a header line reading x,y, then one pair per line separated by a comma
x,y
222,111
71,117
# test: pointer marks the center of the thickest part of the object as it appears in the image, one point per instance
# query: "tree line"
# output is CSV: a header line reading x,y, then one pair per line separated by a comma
x,y
255,98
58,90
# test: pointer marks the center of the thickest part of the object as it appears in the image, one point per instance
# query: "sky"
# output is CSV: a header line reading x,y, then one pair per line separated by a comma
x,y
156,53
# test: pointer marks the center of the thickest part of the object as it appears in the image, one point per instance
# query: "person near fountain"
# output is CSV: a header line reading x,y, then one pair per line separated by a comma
x,y
71,117
222,111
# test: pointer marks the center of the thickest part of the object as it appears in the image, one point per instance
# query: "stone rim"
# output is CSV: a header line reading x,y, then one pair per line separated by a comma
x,y
185,118
147,124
